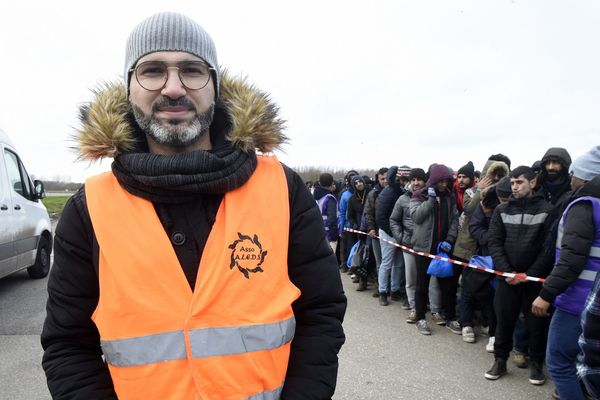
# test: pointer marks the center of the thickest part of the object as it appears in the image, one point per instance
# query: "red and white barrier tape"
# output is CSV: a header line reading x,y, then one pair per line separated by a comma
x,y
462,264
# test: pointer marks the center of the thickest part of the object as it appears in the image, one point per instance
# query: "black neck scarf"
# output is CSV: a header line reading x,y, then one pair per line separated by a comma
x,y
187,176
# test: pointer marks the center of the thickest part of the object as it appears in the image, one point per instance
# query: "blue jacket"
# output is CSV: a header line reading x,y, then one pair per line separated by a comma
x,y
343,209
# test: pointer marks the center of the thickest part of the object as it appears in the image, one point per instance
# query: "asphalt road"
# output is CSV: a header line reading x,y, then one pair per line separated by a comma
x,y
386,358
383,358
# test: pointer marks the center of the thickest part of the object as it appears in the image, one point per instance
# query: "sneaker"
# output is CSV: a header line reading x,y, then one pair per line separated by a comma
x,y
355,278
423,328
484,330
412,317
497,370
395,295
490,346
376,293
454,327
536,373
437,318
468,334
383,300
405,304
520,360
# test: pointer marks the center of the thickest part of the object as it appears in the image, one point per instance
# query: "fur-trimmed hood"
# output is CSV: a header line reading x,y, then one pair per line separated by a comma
x,y
109,129
492,168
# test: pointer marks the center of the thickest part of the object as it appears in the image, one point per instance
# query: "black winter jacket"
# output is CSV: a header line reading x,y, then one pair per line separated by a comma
x,y
369,209
517,234
386,201
72,354
356,203
577,239
72,357
557,194
479,224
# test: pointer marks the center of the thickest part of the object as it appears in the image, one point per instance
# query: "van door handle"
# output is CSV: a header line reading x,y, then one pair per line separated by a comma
x,y
17,207
3,207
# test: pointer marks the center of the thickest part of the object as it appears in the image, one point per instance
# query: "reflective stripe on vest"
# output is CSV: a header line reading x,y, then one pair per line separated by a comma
x,y
268,395
227,338
207,342
572,300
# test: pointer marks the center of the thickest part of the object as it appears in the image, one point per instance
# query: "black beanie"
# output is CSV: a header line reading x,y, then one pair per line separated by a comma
x,y
468,170
417,173
503,188
326,180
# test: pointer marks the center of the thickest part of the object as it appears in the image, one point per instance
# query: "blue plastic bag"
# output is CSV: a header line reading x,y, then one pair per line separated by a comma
x,y
477,279
351,254
440,268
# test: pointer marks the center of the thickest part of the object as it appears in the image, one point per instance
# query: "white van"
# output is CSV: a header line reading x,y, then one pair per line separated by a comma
x,y
25,228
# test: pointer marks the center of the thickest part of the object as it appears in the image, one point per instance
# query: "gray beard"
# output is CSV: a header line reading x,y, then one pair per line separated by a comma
x,y
174,133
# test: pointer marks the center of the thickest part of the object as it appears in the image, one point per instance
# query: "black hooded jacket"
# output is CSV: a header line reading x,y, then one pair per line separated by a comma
x,y
555,193
577,239
386,200
356,203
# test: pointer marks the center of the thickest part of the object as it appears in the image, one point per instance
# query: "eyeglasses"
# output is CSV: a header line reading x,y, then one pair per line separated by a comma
x,y
153,75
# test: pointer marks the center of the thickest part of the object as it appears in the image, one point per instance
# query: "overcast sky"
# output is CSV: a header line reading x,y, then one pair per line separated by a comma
x,y
361,84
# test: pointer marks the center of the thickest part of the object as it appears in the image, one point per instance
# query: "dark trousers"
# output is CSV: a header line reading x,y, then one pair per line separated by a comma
x,y
484,298
448,287
521,337
511,300
347,240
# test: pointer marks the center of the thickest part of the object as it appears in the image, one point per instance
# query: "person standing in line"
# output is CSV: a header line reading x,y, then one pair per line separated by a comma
x,y
355,213
516,237
466,245
372,229
554,180
477,285
327,202
435,217
345,242
465,180
569,283
390,279
402,229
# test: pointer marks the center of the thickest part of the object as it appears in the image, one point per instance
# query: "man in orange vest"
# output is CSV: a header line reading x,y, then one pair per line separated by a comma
x,y
195,269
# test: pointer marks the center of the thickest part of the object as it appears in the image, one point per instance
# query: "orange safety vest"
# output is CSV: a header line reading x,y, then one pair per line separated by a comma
x,y
230,337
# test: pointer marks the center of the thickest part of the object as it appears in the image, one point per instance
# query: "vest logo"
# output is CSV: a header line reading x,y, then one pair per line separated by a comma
x,y
247,255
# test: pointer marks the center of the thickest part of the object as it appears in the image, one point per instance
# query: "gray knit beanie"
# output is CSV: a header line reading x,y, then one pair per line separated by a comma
x,y
169,31
587,166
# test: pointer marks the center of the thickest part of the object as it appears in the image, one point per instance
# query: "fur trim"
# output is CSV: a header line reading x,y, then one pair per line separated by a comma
x,y
105,130
106,123
251,111
497,167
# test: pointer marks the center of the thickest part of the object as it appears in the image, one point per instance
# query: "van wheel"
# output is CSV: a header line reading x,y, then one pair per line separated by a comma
x,y
42,260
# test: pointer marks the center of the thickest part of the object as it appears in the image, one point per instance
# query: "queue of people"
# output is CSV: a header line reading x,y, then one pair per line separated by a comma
x,y
539,221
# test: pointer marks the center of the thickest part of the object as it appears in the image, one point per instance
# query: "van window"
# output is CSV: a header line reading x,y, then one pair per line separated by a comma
x,y
18,181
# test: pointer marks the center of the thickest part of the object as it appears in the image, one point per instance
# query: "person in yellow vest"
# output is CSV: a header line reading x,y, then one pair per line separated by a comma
x,y
198,267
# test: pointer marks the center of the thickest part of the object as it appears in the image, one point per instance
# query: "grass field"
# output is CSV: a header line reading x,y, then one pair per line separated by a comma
x,y
55,204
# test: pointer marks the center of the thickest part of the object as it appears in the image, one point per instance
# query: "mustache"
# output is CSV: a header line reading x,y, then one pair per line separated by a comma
x,y
168,102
